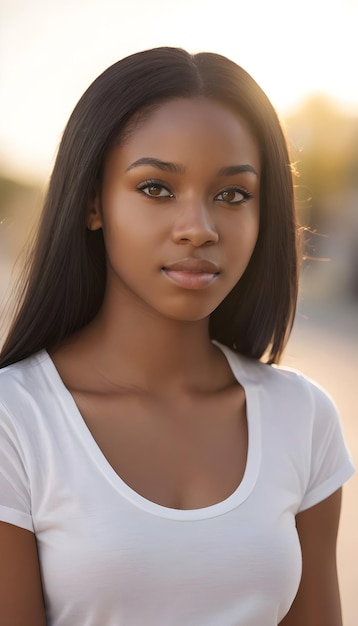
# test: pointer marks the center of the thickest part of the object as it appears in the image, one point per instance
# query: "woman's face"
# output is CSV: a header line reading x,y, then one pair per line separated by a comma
x,y
179,208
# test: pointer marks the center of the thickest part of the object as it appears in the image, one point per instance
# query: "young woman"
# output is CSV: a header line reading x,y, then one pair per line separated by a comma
x,y
156,468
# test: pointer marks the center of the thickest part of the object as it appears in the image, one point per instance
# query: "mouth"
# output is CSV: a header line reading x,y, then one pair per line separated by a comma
x,y
192,273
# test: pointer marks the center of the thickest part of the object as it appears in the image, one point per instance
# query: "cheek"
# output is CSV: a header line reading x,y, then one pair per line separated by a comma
x,y
251,228
254,224
121,229
241,241
132,243
128,217
243,235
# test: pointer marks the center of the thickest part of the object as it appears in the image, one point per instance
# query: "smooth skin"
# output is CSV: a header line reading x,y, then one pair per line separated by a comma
x,y
179,207
21,599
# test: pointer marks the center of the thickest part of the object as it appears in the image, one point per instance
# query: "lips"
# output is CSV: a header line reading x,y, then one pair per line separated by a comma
x,y
193,266
192,273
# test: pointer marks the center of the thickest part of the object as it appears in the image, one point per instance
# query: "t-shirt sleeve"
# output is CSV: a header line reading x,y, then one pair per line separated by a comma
x,y
330,462
15,500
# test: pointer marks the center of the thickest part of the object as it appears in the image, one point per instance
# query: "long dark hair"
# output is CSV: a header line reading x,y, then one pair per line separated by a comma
x,y
64,286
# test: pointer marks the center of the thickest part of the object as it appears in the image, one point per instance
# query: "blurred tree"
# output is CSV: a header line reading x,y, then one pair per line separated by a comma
x,y
13,193
324,147
19,208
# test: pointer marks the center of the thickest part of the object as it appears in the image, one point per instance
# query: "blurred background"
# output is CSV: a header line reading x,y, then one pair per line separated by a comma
x,y
304,56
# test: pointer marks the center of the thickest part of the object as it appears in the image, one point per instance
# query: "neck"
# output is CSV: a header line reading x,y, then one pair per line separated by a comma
x,y
150,349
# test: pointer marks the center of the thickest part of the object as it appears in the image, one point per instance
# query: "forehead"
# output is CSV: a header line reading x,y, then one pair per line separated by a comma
x,y
185,129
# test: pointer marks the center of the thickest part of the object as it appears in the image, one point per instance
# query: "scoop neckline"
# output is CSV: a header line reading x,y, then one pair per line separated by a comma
x,y
253,460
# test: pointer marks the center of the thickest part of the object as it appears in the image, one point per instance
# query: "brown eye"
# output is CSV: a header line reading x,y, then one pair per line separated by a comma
x,y
229,196
233,195
154,190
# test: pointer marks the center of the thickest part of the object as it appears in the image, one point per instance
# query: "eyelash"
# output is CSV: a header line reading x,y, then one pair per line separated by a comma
x,y
156,183
235,188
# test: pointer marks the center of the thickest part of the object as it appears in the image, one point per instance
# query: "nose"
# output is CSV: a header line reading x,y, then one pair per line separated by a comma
x,y
195,225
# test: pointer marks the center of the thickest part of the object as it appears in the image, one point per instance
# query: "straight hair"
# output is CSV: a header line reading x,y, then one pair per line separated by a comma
x,y
63,287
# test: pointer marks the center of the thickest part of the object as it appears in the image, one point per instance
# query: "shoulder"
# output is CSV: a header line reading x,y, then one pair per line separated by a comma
x,y
302,388
24,369
23,381
281,384
299,422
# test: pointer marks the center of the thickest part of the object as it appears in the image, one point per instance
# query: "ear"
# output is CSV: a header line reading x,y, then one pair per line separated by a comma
x,y
94,212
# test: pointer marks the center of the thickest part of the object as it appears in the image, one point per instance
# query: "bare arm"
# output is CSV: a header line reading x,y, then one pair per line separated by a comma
x,y
21,600
317,602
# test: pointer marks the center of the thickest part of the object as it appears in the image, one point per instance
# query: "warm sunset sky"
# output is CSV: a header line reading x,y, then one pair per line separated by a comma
x,y
52,49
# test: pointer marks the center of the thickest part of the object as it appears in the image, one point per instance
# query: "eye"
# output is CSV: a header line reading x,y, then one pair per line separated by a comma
x,y
155,189
233,195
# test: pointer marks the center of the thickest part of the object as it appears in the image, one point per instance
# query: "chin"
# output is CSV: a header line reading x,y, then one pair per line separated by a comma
x,y
188,314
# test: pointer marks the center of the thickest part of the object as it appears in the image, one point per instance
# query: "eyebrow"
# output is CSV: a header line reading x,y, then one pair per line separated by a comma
x,y
176,168
231,170
161,165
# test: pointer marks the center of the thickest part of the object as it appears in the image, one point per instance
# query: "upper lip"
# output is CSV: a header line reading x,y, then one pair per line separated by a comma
x,y
196,266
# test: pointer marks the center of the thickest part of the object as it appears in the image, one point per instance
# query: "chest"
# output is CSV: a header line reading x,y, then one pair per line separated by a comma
x,y
241,567
185,454
236,562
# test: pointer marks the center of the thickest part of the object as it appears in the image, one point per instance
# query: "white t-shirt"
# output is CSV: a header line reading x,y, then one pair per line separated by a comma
x,y
110,557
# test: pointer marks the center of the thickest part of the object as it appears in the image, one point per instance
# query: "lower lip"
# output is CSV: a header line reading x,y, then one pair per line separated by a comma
x,y
190,280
